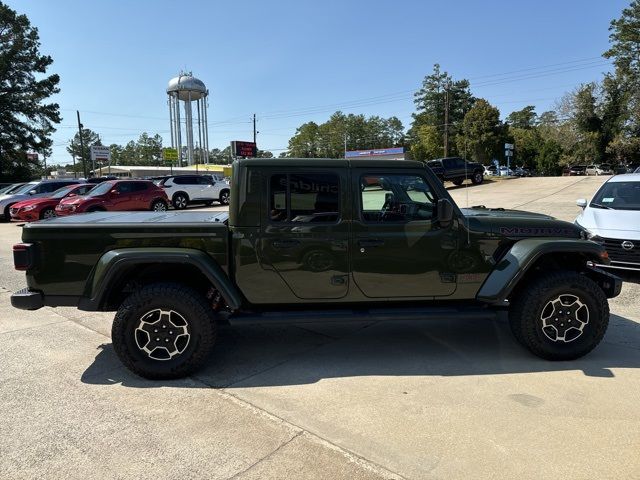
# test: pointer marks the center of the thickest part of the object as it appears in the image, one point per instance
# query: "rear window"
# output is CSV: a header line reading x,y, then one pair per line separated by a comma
x,y
304,198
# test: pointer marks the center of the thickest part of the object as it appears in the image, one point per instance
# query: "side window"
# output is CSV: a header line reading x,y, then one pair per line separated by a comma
x,y
125,187
84,189
304,198
396,198
139,186
449,163
49,187
460,163
204,180
181,181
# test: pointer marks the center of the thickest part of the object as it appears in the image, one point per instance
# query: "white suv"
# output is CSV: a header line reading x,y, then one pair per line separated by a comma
x,y
185,189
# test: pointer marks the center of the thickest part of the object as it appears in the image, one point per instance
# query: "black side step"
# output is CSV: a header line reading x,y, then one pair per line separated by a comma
x,y
368,315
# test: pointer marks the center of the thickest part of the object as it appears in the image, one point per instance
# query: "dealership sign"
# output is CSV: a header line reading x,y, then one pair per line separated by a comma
x,y
244,149
100,153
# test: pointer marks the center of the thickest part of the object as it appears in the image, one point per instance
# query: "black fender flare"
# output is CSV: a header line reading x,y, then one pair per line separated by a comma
x,y
111,265
522,256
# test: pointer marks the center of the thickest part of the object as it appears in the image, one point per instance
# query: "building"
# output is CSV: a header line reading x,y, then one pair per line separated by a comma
x,y
395,153
134,171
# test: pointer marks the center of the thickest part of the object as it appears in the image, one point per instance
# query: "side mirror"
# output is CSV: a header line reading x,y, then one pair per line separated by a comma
x,y
444,212
581,202
71,194
32,192
114,192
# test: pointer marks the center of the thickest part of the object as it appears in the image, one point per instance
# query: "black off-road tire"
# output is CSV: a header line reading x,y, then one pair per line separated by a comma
x,y
526,312
477,177
458,182
180,201
189,304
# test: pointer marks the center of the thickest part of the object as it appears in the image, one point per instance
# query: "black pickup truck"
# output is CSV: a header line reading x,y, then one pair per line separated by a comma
x,y
312,240
456,170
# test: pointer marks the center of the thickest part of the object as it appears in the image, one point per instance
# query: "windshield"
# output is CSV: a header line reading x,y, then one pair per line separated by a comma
x,y
25,189
10,188
100,189
618,196
61,192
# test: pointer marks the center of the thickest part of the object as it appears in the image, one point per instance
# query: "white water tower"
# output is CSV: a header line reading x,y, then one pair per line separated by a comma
x,y
187,89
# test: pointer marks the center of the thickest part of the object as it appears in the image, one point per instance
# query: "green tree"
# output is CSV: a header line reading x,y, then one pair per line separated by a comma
x,y
525,118
149,150
625,44
428,143
527,142
482,132
89,138
438,91
548,160
264,154
304,143
26,119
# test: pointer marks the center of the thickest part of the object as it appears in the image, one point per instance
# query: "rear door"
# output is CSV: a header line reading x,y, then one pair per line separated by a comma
x,y
305,234
139,196
123,200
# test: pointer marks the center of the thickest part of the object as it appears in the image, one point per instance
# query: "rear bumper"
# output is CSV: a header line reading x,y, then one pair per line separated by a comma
x,y
26,299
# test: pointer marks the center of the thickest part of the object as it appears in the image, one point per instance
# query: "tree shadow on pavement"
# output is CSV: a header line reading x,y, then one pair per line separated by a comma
x,y
259,355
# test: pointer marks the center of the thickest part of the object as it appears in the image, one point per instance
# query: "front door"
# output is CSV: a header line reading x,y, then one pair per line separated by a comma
x,y
399,249
305,236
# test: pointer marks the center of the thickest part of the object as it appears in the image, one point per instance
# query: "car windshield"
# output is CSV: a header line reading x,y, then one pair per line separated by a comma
x,y
61,192
618,196
25,189
100,189
10,188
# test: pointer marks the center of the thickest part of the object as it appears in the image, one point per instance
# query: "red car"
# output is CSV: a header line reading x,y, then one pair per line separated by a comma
x,y
117,195
44,207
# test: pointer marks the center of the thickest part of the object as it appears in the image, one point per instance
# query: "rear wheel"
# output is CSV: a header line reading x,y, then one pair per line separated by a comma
x,y
164,331
477,178
180,201
47,213
560,316
159,206
224,197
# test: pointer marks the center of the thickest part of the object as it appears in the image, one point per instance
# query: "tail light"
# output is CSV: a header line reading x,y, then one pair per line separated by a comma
x,y
23,256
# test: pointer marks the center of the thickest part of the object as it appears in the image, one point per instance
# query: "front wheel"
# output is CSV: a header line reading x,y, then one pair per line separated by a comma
x,y
560,316
47,213
164,331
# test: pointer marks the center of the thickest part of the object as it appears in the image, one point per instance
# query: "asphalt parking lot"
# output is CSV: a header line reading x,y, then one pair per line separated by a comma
x,y
365,400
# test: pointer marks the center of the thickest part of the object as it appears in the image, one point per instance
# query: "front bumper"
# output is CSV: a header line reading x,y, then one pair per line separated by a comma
x,y
26,299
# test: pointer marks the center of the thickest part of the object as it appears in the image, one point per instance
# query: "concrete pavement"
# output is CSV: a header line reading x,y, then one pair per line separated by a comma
x,y
414,400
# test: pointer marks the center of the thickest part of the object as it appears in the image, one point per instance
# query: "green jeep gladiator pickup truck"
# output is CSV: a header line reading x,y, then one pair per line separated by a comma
x,y
315,240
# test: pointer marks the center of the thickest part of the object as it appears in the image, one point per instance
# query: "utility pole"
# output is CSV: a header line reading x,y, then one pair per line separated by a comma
x,y
345,144
84,163
75,174
254,128
446,120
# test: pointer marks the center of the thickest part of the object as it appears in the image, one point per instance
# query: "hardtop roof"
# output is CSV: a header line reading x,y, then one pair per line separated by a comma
x,y
328,163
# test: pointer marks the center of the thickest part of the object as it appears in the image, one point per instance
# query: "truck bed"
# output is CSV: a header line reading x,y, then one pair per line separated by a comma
x,y
68,248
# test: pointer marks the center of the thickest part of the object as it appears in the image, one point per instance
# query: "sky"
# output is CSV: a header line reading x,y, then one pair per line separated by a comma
x,y
295,61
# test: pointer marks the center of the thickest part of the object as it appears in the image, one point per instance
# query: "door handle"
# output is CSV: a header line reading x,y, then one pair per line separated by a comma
x,y
285,243
370,242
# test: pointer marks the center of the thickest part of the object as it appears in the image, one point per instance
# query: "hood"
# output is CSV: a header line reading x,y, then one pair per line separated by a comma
x,y
75,200
624,224
519,224
33,201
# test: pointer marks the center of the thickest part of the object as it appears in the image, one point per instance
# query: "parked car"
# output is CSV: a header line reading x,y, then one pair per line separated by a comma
x,y
36,189
44,207
186,189
12,187
490,170
576,170
637,170
613,220
505,172
522,172
602,169
457,170
116,195
96,180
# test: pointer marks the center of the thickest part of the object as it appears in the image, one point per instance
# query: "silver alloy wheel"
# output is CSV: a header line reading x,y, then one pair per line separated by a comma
x,y
180,202
224,198
48,213
162,334
564,318
159,207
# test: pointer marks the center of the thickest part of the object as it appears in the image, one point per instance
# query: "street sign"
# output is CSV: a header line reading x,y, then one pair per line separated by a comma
x,y
243,149
99,152
508,153
508,146
170,154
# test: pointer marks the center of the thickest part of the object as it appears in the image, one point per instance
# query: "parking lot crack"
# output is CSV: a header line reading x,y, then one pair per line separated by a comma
x,y
267,456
